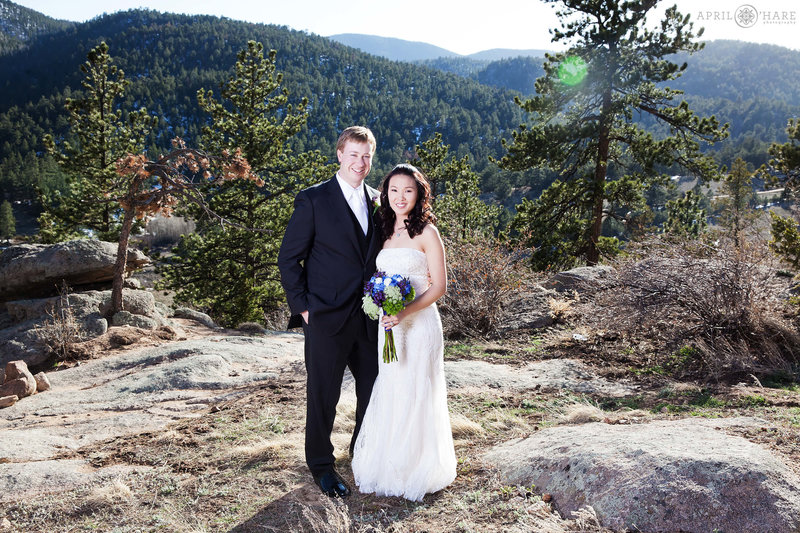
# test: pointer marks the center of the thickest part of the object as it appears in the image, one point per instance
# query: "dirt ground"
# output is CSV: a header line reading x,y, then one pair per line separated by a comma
x,y
239,467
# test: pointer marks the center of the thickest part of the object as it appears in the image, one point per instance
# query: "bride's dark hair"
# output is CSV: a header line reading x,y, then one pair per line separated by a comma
x,y
419,216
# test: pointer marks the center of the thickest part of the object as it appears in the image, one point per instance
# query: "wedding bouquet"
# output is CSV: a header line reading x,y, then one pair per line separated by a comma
x,y
387,294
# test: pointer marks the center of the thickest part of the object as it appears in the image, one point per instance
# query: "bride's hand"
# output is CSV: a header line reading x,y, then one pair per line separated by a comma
x,y
390,321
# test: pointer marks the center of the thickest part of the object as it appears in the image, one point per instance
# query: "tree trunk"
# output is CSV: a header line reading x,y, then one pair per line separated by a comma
x,y
598,194
122,260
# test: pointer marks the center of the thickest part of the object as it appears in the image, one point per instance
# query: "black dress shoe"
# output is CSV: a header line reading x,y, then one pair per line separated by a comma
x,y
332,484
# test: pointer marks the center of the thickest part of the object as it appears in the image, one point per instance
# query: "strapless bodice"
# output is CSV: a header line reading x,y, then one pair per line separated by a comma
x,y
408,262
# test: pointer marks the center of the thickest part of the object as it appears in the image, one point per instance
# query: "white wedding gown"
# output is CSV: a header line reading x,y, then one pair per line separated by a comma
x,y
405,446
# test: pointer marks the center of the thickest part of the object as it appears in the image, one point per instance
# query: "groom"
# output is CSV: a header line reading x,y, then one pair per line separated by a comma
x,y
327,254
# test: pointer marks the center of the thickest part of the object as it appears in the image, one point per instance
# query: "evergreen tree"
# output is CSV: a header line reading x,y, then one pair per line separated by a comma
x,y
460,212
103,134
232,271
735,204
784,169
431,159
583,125
8,225
784,166
686,217
785,240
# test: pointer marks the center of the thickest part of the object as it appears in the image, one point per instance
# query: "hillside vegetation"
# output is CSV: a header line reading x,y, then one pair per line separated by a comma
x,y
169,58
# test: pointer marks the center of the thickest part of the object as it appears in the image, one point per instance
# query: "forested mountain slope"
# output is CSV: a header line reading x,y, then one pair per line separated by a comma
x,y
168,58
18,24
754,87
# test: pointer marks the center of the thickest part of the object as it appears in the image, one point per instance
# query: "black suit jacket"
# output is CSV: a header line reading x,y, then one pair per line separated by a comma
x,y
325,259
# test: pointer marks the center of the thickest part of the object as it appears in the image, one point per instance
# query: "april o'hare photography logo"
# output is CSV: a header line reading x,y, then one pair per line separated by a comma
x,y
746,16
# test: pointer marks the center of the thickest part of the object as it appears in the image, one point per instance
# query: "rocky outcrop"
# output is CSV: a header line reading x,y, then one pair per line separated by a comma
x,y
31,322
129,393
580,279
197,316
125,318
665,476
35,270
551,374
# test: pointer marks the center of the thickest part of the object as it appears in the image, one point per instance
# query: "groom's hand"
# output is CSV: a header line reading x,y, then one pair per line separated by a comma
x,y
304,314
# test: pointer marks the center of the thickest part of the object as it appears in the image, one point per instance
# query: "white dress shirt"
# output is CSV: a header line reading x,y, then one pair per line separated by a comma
x,y
357,202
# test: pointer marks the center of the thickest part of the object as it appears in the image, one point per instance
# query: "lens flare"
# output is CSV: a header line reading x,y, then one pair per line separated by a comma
x,y
572,70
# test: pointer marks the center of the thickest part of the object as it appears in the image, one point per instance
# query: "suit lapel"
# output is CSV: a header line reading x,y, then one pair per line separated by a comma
x,y
374,234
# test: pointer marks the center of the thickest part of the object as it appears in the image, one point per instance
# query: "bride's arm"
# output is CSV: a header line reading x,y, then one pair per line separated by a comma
x,y
434,253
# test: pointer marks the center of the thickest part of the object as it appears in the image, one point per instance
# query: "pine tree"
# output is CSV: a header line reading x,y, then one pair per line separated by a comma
x,y
431,159
8,225
784,169
735,204
685,216
584,126
157,186
460,212
103,134
230,271
784,166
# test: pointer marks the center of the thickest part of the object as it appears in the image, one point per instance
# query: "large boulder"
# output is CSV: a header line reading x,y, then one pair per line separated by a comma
x,y
664,476
580,279
31,322
17,380
34,270
197,316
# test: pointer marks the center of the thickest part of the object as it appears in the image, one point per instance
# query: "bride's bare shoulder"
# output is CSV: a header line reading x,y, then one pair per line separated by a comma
x,y
430,237
430,230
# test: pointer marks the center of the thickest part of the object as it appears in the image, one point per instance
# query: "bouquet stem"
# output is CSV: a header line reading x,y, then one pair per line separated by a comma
x,y
389,351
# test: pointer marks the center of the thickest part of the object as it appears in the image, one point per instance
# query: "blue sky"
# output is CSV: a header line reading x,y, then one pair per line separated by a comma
x,y
450,24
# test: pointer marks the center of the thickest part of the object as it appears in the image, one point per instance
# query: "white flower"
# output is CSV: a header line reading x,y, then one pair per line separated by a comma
x,y
392,292
369,307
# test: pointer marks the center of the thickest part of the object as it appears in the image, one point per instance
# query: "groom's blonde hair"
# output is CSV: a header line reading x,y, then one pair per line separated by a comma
x,y
360,134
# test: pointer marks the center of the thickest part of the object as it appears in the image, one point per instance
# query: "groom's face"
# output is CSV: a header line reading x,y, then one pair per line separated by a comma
x,y
355,162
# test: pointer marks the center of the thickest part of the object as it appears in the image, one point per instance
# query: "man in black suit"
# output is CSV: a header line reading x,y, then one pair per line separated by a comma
x,y
327,253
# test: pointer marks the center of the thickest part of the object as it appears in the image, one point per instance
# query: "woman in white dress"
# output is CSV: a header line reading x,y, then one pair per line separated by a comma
x,y
405,446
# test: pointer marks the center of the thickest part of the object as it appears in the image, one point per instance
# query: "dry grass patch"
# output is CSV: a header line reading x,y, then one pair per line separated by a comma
x,y
259,451
582,414
563,308
463,427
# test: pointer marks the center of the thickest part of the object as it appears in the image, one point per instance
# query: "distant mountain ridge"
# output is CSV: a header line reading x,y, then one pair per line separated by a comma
x,y
391,48
19,24
415,51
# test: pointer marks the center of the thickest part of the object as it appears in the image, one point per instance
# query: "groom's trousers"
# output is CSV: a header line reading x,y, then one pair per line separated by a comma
x,y
326,357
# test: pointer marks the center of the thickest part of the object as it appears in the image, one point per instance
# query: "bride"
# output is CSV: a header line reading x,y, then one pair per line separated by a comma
x,y
405,446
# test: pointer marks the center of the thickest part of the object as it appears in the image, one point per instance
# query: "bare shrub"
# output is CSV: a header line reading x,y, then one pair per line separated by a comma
x,y
61,330
563,308
251,328
718,306
481,275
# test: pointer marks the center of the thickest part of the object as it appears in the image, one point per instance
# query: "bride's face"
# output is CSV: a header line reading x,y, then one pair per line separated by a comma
x,y
402,195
